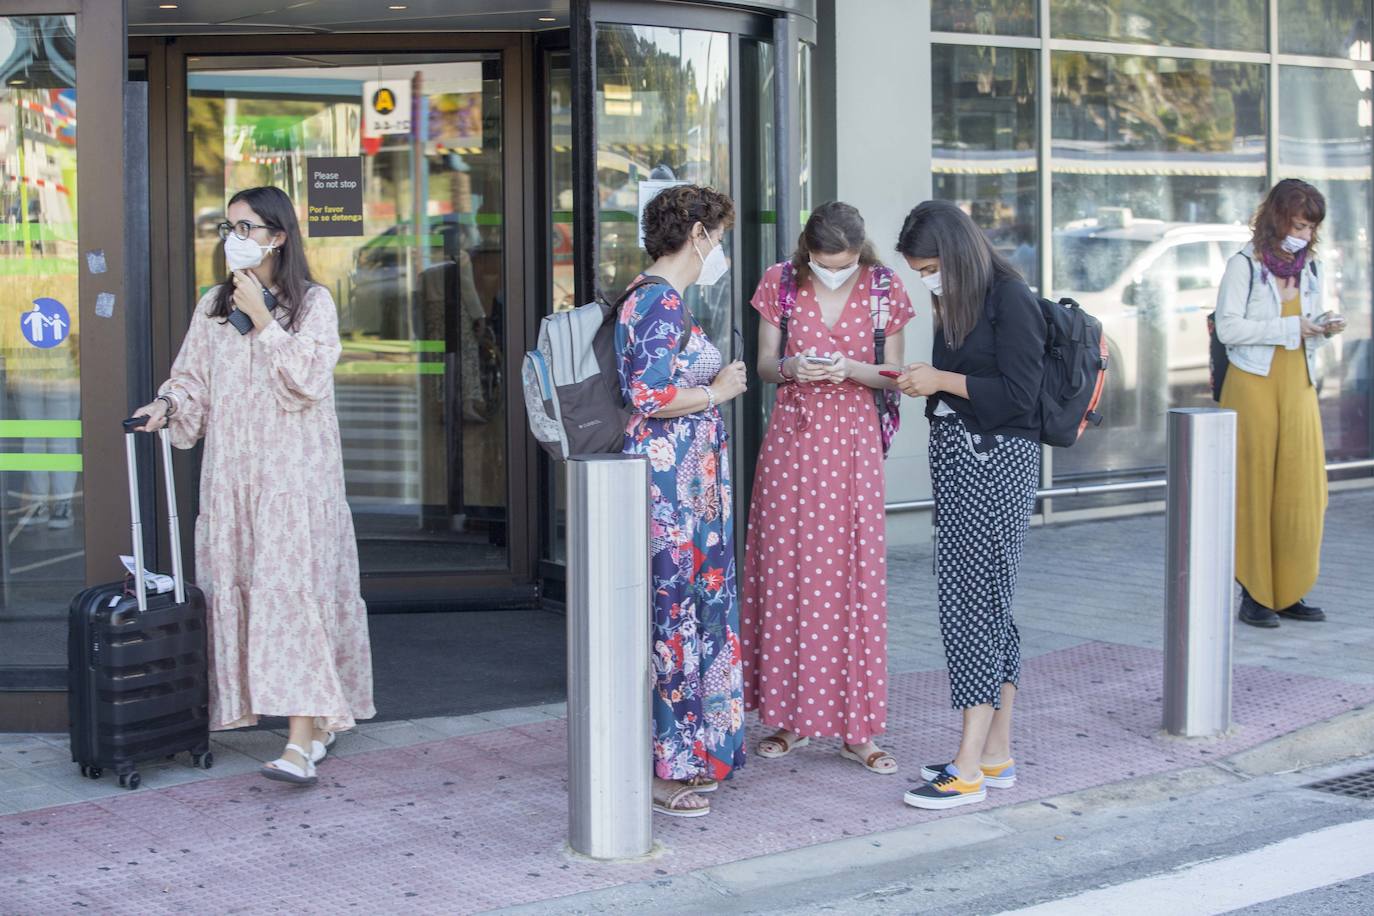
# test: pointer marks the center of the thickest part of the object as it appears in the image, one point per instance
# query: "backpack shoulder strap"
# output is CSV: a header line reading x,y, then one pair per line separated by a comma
x,y
1250,263
787,300
880,310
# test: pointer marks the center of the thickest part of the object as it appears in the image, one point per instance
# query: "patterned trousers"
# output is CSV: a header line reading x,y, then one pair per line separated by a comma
x,y
984,493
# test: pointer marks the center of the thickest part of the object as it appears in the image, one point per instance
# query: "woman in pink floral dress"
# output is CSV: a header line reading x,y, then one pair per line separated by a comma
x,y
813,606
275,549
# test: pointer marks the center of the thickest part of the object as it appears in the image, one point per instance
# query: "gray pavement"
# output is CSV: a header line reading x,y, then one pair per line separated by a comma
x,y
1104,581
1083,582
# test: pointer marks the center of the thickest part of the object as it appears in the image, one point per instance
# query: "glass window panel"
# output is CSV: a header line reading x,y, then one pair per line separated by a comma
x,y
1331,28
662,111
984,17
804,200
561,268
1158,164
41,520
1330,145
984,156
419,387
1238,25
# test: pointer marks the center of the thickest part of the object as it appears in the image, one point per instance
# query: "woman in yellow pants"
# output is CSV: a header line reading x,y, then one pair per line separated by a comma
x,y
1270,316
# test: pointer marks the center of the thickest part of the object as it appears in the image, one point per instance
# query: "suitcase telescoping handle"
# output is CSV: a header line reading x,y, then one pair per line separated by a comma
x,y
131,426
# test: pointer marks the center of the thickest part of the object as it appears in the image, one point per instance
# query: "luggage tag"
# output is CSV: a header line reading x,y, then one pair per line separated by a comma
x,y
156,583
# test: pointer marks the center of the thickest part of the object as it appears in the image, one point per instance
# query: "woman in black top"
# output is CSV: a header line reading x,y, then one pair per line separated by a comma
x,y
981,388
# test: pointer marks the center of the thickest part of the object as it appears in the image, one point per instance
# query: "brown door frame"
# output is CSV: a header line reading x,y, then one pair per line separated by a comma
x,y
101,62
172,283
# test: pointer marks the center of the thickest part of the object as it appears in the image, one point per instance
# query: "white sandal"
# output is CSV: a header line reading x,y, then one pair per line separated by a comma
x,y
283,770
320,749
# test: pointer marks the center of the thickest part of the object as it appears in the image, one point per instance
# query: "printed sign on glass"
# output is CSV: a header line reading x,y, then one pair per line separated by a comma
x,y
334,196
386,107
47,324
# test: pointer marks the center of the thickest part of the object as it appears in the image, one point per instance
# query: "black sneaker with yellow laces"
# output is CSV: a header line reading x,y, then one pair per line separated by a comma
x,y
947,790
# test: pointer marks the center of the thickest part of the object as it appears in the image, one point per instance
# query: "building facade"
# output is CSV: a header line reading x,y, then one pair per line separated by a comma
x,y
464,169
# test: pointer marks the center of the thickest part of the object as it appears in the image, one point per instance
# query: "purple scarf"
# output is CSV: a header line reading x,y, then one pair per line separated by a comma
x,y
1281,268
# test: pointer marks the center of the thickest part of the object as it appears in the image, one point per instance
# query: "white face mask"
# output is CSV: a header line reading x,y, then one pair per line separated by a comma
x,y
933,283
242,254
713,265
1293,244
833,279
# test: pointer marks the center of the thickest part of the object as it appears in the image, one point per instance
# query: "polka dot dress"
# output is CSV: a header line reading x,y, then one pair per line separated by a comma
x,y
813,608
984,491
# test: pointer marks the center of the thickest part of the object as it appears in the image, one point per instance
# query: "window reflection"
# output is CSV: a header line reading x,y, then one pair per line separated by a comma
x,y
1330,145
984,17
420,387
41,518
1330,28
662,112
1232,24
1158,164
984,155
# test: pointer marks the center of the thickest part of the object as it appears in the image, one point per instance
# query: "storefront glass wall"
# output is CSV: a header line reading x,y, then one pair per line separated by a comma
x,y
662,114
41,517
420,386
1150,168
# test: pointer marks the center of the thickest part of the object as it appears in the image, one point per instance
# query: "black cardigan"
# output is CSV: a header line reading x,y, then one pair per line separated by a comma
x,y
1004,360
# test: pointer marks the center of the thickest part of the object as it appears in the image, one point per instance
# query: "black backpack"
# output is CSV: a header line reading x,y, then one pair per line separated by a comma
x,y
1075,372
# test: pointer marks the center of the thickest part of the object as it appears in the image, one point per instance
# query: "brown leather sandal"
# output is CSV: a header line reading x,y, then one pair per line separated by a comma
x,y
702,784
778,741
870,763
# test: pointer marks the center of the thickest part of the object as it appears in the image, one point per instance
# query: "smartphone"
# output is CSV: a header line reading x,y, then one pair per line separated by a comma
x,y
818,360
888,373
241,322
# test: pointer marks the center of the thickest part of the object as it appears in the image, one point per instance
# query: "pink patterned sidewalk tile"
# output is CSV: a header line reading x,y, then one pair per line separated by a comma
x,y
472,823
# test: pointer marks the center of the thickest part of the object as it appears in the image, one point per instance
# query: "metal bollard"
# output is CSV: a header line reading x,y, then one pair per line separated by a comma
x,y
610,770
1200,569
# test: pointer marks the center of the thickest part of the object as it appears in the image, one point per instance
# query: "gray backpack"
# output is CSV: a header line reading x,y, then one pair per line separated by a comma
x,y
572,380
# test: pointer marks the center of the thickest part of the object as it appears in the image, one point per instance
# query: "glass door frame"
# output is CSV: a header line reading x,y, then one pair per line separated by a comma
x,y
101,71
173,285
784,25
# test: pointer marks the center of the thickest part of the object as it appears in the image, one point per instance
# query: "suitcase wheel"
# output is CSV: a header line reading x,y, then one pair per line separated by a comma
x,y
130,780
92,772
204,761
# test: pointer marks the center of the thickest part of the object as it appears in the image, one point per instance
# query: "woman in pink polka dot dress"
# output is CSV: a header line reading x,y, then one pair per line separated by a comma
x,y
814,602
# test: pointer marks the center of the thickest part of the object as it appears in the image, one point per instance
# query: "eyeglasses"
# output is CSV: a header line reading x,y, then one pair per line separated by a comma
x,y
243,228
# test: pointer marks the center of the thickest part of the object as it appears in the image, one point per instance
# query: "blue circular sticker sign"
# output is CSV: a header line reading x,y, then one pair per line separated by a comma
x,y
47,324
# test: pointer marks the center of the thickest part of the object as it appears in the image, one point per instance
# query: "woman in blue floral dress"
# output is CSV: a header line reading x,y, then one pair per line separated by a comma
x,y
674,379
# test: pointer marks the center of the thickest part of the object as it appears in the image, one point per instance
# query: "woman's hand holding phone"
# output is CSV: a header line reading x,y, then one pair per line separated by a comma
x,y
248,298
810,367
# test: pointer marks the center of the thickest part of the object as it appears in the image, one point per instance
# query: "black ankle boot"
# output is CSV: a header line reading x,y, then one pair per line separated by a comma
x,y
1303,611
1254,613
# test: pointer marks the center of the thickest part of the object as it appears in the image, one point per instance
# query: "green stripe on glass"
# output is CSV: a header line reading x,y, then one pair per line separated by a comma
x,y
40,429
380,368
13,462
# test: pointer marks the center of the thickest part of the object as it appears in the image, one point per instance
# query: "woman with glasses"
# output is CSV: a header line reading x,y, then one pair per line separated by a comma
x,y
275,547
675,381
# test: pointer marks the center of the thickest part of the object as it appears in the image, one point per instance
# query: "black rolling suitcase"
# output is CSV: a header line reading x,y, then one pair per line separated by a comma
x,y
137,687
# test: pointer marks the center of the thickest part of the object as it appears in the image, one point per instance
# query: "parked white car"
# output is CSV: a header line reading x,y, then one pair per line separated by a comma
x,y
1151,283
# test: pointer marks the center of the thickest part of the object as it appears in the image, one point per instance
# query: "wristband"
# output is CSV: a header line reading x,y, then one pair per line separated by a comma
x,y
710,396
782,373
171,405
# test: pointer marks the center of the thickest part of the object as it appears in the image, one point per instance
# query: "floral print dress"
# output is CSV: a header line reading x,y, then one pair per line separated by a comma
x,y
275,548
698,682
